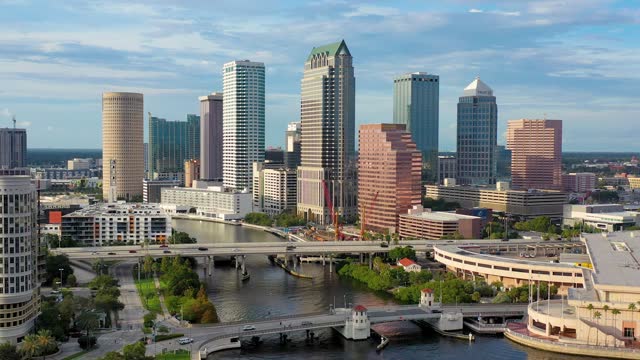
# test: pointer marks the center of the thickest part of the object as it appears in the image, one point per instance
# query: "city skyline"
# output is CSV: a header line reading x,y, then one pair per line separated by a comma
x,y
534,54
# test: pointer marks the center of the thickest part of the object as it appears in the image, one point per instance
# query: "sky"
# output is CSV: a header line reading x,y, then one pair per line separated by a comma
x,y
574,60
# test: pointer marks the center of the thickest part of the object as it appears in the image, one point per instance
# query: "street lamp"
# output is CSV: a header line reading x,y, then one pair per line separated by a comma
x,y
61,270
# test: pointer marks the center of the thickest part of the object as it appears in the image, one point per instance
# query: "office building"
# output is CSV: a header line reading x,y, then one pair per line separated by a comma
x,y
526,204
477,135
416,98
389,175
191,172
117,224
536,153
13,148
292,145
207,199
19,278
420,223
152,189
504,163
80,164
122,141
274,155
579,182
211,136
447,168
327,110
634,182
604,217
243,122
274,188
62,173
170,144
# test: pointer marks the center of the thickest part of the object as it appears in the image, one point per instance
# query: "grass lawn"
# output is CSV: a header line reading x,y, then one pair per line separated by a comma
x,y
148,295
76,355
179,355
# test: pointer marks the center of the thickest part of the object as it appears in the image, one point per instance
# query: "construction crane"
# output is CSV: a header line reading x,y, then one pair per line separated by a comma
x,y
364,215
334,215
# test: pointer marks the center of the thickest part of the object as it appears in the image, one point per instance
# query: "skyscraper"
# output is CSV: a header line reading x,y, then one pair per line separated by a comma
x,y
193,137
477,135
123,141
211,136
170,144
13,148
292,144
328,135
19,285
389,175
536,153
243,122
416,99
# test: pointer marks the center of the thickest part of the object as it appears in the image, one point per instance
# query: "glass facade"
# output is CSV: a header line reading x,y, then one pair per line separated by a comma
x,y
171,143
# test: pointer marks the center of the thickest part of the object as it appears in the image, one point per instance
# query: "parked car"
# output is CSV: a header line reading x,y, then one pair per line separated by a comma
x,y
132,251
111,253
184,341
248,328
167,251
384,245
164,245
202,248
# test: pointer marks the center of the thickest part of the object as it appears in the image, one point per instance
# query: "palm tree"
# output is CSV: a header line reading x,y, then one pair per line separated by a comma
x,y
605,308
47,344
30,346
632,308
597,316
614,312
590,308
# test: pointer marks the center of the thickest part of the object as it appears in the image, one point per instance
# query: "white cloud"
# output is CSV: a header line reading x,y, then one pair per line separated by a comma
x,y
23,124
372,10
4,112
476,11
495,12
73,70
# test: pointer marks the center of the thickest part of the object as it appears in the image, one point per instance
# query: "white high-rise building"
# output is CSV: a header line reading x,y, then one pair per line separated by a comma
x,y
19,285
242,122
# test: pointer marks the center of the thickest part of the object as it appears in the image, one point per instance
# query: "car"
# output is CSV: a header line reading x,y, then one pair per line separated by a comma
x,y
94,253
55,292
235,250
384,245
167,252
164,245
111,253
306,323
248,328
291,247
202,248
132,251
450,241
410,246
184,341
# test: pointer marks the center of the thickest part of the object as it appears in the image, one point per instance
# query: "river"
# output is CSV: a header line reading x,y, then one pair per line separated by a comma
x,y
272,292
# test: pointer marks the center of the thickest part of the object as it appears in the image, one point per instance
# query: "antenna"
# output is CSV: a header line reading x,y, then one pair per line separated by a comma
x,y
14,122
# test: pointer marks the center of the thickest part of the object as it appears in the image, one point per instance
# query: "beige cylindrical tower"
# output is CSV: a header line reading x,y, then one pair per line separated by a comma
x,y
123,141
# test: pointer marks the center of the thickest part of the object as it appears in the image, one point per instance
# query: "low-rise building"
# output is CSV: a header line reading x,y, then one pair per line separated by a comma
x,y
523,203
117,223
191,172
409,265
62,173
151,189
208,199
274,188
634,182
80,164
579,182
606,217
423,223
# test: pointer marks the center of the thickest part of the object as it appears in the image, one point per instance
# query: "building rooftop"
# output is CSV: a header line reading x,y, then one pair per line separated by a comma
x,y
441,216
333,49
477,88
613,256
406,262
462,251
118,209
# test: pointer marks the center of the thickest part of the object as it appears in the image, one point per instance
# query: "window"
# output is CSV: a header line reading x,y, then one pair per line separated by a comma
x,y
629,332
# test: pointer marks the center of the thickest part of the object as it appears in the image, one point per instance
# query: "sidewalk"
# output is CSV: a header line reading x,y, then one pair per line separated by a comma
x,y
163,306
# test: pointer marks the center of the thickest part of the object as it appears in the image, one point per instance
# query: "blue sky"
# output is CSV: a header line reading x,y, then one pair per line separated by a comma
x,y
575,60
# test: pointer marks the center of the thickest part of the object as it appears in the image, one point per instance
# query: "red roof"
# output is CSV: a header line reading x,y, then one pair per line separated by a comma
x,y
360,308
427,291
406,262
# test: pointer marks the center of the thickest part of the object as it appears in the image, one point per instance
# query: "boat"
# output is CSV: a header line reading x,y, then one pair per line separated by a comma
x,y
245,276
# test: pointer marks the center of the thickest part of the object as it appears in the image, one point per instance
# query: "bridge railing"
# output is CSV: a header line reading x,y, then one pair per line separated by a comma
x,y
245,322
274,330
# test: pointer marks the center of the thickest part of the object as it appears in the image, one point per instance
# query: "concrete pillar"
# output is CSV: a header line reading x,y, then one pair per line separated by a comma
x,y
330,264
210,265
243,265
370,261
139,266
323,262
361,258
548,329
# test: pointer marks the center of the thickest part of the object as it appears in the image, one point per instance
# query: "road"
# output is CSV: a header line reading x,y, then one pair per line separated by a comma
x,y
269,248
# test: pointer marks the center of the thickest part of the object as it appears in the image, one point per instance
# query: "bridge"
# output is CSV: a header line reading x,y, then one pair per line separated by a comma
x,y
353,324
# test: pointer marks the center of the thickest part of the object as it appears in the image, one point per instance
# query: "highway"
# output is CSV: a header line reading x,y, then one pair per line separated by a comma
x,y
269,248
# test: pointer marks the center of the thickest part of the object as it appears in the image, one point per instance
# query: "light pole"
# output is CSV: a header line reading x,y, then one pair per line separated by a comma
x,y
61,270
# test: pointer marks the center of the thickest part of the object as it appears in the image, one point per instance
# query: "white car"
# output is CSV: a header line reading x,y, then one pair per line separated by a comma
x,y
184,341
236,250
248,328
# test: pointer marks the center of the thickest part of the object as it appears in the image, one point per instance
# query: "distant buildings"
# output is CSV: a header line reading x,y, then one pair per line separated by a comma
x,y
634,182
579,182
447,168
13,148
192,169
477,135
80,164
62,173
503,156
420,223
389,175
328,135
274,188
292,146
605,217
416,98
211,136
152,189
536,153
526,204
243,121
274,155
170,144
20,275
122,141
207,199
117,224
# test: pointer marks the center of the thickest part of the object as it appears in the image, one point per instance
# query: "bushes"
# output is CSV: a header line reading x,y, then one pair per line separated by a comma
x,y
258,219
164,337
86,342
148,319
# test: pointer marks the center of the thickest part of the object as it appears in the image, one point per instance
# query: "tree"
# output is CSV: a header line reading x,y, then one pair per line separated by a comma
x,y
86,342
46,343
258,219
9,352
135,351
88,321
180,237
53,265
30,346
147,265
614,312
72,281
402,252
453,236
590,308
113,355
597,316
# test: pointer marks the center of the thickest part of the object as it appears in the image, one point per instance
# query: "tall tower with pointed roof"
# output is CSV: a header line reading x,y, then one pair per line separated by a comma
x,y
327,115
477,135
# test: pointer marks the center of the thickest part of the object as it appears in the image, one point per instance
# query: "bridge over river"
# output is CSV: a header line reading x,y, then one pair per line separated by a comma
x,y
353,324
